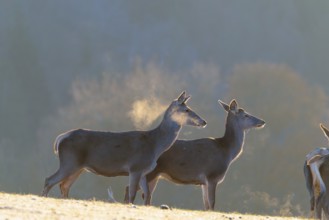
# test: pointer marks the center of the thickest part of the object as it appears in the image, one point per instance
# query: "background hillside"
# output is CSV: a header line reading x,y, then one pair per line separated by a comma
x,y
93,64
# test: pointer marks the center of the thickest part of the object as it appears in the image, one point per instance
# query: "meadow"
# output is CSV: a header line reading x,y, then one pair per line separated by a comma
x,y
28,206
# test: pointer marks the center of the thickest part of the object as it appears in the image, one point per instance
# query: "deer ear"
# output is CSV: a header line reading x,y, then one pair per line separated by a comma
x,y
182,98
325,131
187,98
233,105
225,106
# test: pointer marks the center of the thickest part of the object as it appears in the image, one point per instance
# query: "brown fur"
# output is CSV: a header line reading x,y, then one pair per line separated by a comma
x,y
132,153
205,161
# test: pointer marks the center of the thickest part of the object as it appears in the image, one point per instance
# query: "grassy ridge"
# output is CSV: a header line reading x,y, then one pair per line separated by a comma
x,y
16,206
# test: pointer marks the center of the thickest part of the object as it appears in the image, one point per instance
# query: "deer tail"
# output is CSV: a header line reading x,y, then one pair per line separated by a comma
x,y
58,140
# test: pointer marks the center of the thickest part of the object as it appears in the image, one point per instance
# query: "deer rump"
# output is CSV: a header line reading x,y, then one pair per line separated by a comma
x,y
316,172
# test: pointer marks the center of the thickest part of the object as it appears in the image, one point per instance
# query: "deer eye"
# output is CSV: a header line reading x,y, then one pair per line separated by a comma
x,y
187,110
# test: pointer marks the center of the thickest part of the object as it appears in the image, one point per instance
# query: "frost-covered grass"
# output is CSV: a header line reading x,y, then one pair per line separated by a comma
x,y
17,206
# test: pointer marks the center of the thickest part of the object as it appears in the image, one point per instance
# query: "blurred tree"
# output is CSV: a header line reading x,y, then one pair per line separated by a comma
x,y
24,97
24,101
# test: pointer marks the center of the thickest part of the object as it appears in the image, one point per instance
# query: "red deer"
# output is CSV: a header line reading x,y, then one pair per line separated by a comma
x,y
132,153
316,172
204,161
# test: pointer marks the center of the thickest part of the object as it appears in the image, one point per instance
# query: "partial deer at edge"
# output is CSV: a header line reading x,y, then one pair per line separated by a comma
x,y
316,172
204,161
132,153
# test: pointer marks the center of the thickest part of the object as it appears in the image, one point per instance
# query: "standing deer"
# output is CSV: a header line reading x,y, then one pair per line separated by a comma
x,y
132,153
316,172
204,161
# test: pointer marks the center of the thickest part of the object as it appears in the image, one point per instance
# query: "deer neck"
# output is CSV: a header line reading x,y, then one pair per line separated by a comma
x,y
233,139
166,134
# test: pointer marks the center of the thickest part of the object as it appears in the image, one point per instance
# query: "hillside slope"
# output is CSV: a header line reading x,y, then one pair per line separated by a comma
x,y
15,206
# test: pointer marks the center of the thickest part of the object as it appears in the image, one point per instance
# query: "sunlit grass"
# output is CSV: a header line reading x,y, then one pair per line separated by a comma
x,y
15,206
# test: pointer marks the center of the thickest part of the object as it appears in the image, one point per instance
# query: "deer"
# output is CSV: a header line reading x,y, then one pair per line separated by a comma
x,y
131,153
204,161
316,173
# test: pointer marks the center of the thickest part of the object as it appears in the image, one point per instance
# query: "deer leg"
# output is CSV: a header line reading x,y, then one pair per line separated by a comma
x,y
325,212
211,194
53,180
205,197
318,208
146,191
134,179
65,170
67,183
126,199
320,204
151,184
312,202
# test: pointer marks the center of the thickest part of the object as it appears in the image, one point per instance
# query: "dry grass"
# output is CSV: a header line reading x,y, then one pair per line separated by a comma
x,y
14,206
